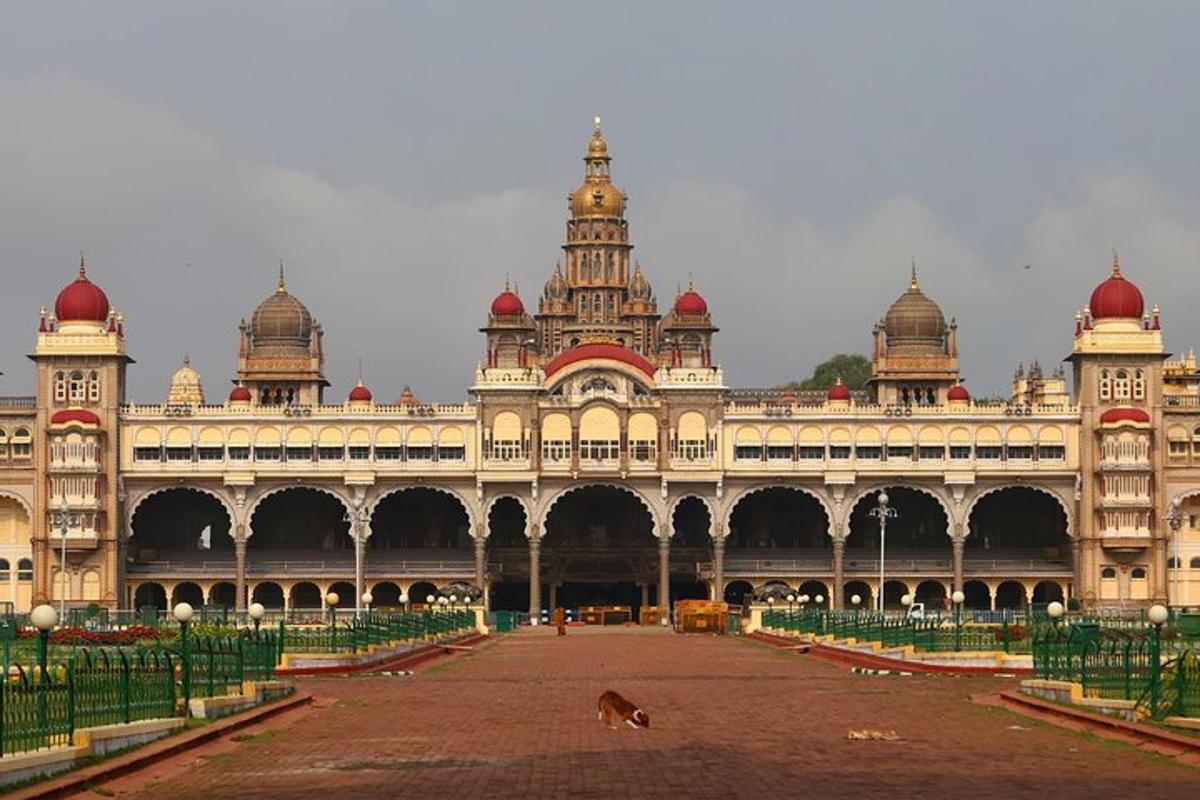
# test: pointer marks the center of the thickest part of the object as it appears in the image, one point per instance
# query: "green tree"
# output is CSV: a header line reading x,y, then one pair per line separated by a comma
x,y
852,368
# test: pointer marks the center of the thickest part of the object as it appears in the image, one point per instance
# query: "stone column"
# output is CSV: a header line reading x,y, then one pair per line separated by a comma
x,y
719,568
535,581
553,596
957,545
360,565
239,550
839,574
664,578
645,587
481,565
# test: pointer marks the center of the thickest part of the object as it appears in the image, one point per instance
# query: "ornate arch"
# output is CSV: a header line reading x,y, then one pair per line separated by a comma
x,y
134,504
21,501
345,501
727,517
709,505
486,517
877,486
1051,493
544,511
452,493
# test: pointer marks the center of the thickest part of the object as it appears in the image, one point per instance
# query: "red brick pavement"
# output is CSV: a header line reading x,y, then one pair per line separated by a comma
x,y
729,718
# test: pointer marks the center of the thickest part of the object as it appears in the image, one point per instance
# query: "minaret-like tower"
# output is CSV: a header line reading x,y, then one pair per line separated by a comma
x,y
81,360
599,295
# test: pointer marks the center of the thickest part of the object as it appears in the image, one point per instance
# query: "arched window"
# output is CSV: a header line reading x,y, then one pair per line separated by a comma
x,y
1105,385
1138,574
596,304
596,267
94,387
5,569
60,387
1108,572
1139,386
1172,562
1121,386
76,388
24,570
1194,563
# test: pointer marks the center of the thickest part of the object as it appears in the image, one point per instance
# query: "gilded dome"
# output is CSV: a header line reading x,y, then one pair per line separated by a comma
x,y
597,197
281,323
914,323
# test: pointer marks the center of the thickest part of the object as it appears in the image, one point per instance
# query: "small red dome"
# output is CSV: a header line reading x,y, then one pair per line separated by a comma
x,y
360,394
69,415
959,393
1117,297
1115,415
691,303
507,304
240,394
81,300
839,391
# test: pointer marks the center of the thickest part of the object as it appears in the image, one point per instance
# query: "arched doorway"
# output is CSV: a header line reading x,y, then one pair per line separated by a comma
x,y
305,596
918,539
781,524
150,595
420,592
977,596
508,556
223,595
268,594
345,594
419,519
189,593
182,526
738,592
866,598
892,592
385,595
599,549
1018,524
1048,592
932,594
691,546
815,589
299,521
1010,595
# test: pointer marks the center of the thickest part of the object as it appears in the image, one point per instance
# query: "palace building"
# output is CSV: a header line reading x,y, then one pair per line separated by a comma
x,y
602,459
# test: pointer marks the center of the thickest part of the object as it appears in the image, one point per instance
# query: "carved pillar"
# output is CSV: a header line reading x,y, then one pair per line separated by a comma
x,y
719,568
481,569
360,565
839,574
535,582
664,577
957,545
239,549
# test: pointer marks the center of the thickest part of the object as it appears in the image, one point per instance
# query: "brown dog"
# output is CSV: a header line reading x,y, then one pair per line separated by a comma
x,y
612,703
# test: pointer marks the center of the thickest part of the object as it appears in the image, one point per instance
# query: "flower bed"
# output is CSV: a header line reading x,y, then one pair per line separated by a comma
x,y
134,634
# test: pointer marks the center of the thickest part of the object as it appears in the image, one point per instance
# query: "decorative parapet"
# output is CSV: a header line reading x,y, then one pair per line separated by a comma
x,y
154,412
690,378
492,378
995,411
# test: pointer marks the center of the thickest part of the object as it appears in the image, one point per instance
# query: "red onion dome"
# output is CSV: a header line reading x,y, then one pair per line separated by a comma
x,y
690,303
958,393
507,304
240,394
1117,297
1116,415
81,300
360,394
69,415
839,391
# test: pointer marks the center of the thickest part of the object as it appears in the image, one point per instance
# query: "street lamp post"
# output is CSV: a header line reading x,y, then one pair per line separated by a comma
x,y
44,618
183,615
1157,616
958,597
63,519
404,600
256,612
1174,518
1055,612
883,512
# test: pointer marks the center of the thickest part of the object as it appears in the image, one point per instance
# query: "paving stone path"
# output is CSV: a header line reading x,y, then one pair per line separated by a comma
x,y
730,719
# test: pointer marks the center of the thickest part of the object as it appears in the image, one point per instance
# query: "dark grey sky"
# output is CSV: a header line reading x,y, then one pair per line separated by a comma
x,y
401,158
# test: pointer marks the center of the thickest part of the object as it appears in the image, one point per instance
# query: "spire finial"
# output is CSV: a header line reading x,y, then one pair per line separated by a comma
x,y
912,283
82,266
281,287
360,370
596,125
187,360
1116,265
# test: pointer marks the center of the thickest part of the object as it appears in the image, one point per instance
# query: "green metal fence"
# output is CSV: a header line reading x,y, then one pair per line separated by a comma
x,y
936,634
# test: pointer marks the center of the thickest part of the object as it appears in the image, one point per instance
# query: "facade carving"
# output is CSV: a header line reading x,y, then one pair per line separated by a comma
x,y
602,458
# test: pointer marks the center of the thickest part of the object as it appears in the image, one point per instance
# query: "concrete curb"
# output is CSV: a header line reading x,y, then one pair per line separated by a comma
x,y
79,780
870,661
400,661
1166,742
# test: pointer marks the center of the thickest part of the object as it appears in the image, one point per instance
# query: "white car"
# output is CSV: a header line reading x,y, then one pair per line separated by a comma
x,y
916,611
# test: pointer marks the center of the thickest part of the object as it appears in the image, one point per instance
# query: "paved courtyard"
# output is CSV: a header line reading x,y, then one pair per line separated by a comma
x,y
729,718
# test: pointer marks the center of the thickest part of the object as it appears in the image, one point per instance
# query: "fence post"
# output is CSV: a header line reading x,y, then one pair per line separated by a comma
x,y
71,701
125,684
1007,633
241,665
1155,670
